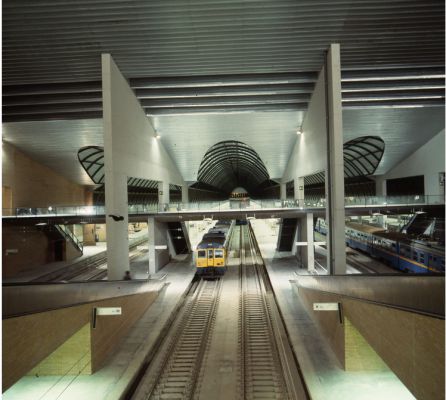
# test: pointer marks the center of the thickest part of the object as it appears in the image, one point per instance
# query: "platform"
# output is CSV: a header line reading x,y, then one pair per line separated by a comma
x,y
112,380
322,372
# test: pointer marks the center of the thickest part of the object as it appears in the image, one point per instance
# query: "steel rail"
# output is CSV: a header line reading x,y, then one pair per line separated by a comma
x,y
176,368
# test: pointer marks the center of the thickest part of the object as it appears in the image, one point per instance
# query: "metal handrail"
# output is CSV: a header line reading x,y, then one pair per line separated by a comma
x,y
254,204
68,234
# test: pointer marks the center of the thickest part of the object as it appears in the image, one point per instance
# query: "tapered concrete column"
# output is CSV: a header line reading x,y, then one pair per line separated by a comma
x,y
185,194
163,193
283,191
307,234
116,209
299,193
335,164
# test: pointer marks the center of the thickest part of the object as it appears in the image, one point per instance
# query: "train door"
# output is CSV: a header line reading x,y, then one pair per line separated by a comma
x,y
210,257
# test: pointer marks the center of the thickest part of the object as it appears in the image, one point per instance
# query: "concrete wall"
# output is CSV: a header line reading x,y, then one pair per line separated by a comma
x,y
158,236
31,246
39,340
309,153
130,150
31,184
410,344
428,160
129,138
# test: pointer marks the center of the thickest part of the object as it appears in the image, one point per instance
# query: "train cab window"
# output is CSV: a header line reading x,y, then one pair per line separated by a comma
x,y
210,253
393,245
422,258
218,254
415,255
201,253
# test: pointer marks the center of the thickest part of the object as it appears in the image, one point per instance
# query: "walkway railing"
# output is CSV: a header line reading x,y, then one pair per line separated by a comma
x,y
350,202
67,234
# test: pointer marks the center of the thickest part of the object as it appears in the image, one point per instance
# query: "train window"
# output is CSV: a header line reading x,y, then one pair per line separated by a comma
x,y
210,253
393,245
202,254
415,255
422,258
218,253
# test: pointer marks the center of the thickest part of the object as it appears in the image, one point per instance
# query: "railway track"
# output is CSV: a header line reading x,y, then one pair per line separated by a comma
x,y
185,362
98,271
84,270
175,370
269,370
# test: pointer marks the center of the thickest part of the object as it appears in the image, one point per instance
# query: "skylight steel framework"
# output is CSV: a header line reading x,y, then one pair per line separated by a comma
x,y
229,164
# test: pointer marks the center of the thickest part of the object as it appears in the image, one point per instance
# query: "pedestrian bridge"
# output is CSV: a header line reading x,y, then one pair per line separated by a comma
x,y
233,209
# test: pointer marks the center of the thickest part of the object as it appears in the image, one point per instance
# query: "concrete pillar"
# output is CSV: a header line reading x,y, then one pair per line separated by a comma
x,y
117,220
382,221
307,235
185,194
299,193
335,164
283,191
163,193
381,186
158,245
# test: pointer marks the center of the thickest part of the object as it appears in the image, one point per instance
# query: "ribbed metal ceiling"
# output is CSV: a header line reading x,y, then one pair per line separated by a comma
x,y
213,70
227,93
59,41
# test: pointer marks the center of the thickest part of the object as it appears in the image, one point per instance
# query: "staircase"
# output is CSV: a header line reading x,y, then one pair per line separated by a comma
x,y
70,237
179,236
286,234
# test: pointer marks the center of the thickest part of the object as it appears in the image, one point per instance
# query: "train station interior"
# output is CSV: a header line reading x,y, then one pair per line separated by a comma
x,y
223,199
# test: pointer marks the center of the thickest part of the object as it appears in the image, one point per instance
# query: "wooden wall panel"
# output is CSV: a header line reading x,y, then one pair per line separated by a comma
x,y
32,250
34,185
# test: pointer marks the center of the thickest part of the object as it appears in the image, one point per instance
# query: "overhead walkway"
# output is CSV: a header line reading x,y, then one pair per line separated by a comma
x,y
222,209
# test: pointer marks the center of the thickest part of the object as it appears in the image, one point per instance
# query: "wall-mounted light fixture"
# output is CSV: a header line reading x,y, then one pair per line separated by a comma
x,y
299,131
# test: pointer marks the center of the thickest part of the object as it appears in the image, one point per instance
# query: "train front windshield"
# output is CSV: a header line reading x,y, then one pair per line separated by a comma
x,y
202,254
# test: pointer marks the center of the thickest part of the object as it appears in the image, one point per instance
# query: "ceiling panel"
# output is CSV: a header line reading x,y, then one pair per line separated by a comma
x,y
61,40
212,70
403,130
